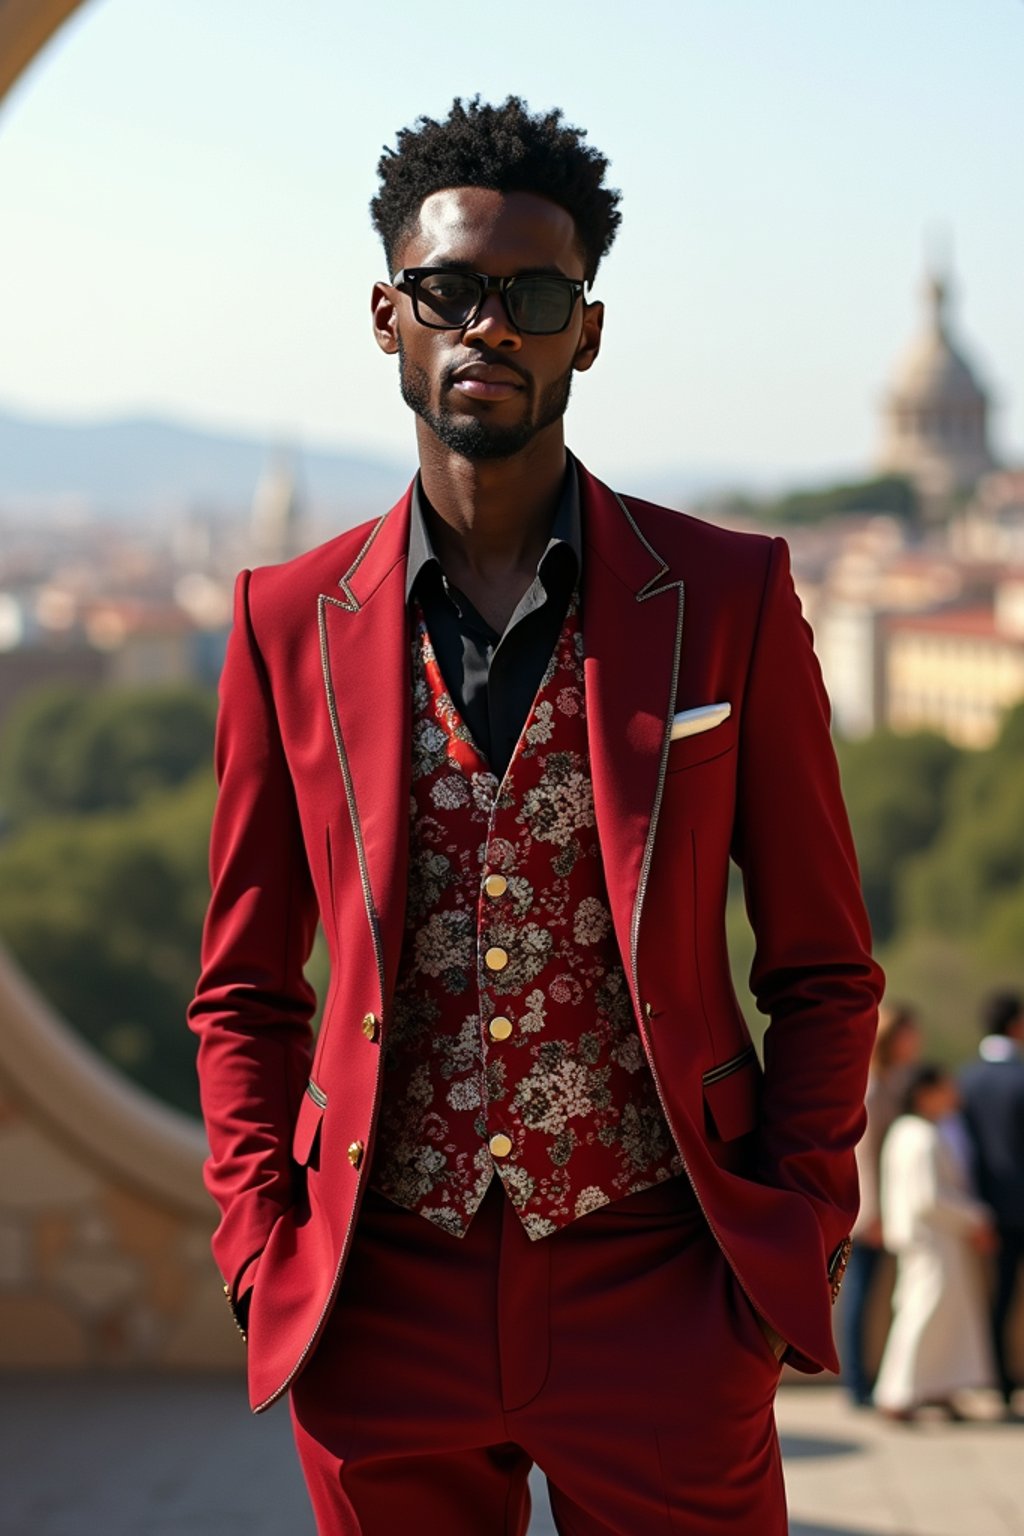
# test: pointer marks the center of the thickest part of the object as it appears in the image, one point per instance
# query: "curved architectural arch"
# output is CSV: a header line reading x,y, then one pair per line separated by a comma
x,y
109,1122
25,27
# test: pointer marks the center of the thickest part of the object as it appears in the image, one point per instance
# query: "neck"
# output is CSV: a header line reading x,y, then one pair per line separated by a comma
x,y
492,516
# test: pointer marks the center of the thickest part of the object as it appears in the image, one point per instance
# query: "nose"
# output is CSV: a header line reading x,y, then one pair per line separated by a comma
x,y
492,326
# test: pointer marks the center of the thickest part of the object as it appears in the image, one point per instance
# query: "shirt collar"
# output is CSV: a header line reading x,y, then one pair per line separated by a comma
x,y
566,530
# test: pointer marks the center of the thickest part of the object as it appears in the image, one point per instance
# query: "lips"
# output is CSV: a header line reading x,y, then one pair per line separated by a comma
x,y
487,381
488,373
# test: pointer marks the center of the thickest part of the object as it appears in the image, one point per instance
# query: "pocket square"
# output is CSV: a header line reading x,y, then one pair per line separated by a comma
x,y
705,717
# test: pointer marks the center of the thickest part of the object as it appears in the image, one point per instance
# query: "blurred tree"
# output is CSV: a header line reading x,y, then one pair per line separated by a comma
x,y
105,915
890,494
65,751
970,883
896,789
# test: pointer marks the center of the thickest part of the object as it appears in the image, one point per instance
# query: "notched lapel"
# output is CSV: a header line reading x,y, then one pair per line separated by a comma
x,y
632,634
366,664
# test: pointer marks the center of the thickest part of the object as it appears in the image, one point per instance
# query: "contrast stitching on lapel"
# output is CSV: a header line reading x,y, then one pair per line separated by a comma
x,y
650,587
351,602
346,1242
652,826
346,774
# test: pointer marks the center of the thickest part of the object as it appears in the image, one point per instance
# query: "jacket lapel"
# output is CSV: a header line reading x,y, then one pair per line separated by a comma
x,y
632,633
366,663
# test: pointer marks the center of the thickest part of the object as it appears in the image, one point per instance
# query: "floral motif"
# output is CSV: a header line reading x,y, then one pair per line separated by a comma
x,y
569,1085
562,804
592,921
445,943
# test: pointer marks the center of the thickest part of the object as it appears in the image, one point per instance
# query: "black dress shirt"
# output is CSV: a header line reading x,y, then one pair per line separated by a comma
x,y
493,678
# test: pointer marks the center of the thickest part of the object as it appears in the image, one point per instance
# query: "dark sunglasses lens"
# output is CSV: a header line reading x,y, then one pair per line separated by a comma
x,y
447,299
539,305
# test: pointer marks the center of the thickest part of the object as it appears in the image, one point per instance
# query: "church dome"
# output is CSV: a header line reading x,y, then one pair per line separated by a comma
x,y
935,413
933,371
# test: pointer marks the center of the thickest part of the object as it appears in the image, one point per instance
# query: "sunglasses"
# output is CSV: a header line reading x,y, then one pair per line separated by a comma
x,y
448,298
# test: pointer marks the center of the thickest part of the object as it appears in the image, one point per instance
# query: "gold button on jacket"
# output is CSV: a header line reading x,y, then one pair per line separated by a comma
x,y
495,886
500,1028
501,1145
496,958
355,1153
369,1026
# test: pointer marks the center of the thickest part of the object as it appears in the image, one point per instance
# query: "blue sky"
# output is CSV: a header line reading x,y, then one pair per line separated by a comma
x,y
183,192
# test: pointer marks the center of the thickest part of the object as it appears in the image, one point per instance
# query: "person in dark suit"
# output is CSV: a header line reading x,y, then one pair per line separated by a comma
x,y
992,1089
530,1195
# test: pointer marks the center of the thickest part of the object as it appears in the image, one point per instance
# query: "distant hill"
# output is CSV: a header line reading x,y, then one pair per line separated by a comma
x,y
134,464
131,465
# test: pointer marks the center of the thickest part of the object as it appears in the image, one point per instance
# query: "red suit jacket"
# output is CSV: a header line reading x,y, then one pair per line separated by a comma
x,y
313,759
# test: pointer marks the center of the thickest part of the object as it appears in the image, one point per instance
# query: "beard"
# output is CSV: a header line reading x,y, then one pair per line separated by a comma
x,y
473,437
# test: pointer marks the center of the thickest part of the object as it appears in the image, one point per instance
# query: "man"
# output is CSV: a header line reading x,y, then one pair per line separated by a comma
x,y
992,1089
530,1196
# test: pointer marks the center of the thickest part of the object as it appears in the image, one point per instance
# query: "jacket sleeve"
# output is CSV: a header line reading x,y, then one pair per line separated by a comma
x,y
812,974
252,1006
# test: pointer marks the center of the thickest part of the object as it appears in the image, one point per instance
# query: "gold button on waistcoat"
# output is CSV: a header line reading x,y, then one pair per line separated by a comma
x,y
370,1025
500,1028
496,958
495,886
500,1145
355,1153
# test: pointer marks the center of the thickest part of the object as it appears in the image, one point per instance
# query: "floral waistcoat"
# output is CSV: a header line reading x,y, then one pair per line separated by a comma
x,y
511,1047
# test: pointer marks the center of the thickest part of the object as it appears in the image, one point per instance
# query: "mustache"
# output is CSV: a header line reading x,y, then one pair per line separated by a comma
x,y
492,359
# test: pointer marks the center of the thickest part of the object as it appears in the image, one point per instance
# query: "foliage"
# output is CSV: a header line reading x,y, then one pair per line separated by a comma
x,y
105,913
969,884
895,789
65,751
891,494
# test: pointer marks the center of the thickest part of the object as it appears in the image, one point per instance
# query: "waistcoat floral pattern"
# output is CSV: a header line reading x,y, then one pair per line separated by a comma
x,y
512,1047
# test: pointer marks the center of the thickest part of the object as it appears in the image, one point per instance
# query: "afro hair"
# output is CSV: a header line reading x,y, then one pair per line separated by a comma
x,y
507,148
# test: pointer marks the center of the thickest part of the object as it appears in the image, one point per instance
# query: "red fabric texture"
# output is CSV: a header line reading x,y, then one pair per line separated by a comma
x,y
569,1085
312,820
619,1355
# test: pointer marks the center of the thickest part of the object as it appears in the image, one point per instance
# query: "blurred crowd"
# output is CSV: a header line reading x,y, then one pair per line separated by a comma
x,y
942,1189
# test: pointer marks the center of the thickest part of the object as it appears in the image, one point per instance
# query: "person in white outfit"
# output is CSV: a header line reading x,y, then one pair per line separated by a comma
x,y
938,1343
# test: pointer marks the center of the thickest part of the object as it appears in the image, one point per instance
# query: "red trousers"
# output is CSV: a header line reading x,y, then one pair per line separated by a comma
x,y
619,1354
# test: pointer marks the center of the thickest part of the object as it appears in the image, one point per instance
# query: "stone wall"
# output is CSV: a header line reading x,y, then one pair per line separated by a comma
x,y
104,1223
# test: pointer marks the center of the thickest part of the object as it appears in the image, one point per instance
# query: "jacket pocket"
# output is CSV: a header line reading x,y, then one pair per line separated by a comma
x,y
731,1093
703,746
307,1125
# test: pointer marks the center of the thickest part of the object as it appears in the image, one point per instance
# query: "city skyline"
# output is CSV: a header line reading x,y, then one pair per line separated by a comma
x,y
203,250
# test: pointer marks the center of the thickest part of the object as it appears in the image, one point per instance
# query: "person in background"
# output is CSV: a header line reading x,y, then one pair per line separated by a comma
x,y
938,1343
992,1089
897,1048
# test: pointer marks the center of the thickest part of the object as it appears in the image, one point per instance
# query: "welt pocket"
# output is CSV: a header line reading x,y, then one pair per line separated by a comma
x,y
731,1095
307,1124
703,747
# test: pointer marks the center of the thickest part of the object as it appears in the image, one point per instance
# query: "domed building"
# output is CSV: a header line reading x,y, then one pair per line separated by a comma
x,y
935,415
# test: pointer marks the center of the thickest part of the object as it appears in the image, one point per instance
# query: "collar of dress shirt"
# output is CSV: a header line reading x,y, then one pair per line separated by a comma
x,y
566,530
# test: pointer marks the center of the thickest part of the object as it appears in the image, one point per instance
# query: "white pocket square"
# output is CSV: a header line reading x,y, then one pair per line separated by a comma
x,y
705,717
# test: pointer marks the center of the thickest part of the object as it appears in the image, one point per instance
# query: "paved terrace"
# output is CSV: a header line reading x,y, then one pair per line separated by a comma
x,y
165,1456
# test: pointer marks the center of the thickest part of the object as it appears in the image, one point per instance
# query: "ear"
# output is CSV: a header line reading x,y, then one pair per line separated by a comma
x,y
385,317
590,338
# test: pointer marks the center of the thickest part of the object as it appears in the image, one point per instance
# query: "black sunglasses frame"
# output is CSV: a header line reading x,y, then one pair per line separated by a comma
x,y
407,280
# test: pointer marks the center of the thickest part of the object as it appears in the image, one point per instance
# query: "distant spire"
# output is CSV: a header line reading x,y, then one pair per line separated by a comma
x,y
276,518
936,289
938,261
